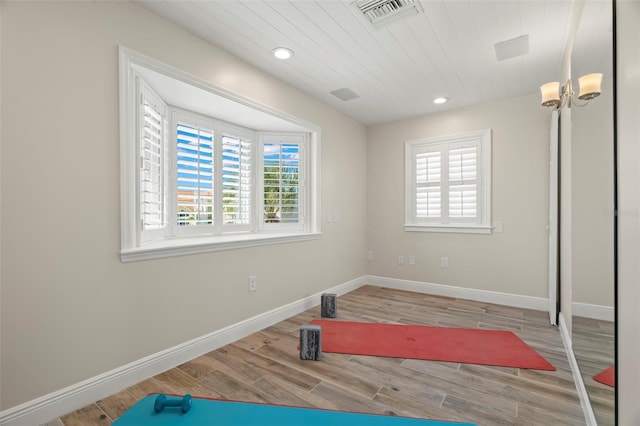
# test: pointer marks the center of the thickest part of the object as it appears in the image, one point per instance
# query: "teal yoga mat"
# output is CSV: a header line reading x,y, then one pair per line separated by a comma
x,y
231,413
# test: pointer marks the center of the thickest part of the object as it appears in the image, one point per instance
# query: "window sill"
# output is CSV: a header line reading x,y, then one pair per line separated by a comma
x,y
457,229
187,246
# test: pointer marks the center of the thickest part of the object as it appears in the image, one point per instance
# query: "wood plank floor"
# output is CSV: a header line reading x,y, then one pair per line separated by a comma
x,y
593,345
265,367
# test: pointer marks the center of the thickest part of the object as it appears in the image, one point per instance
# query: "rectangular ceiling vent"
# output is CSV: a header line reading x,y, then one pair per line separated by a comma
x,y
345,94
382,12
512,48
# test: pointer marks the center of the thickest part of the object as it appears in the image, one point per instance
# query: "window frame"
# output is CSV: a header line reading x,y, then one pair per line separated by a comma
x,y
133,247
482,225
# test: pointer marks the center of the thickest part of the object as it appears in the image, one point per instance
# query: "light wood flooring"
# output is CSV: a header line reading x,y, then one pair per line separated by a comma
x,y
265,367
593,346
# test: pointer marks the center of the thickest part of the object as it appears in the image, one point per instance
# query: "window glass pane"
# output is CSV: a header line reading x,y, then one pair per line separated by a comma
x,y
463,201
151,169
236,180
281,183
194,175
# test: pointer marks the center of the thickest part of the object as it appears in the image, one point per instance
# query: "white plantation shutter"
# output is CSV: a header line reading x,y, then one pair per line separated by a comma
x,y
446,180
282,181
213,191
194,175
463,182
152,180
428,184
236,179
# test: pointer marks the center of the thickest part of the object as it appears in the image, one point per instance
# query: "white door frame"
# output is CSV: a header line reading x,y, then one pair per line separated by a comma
x,y
553,218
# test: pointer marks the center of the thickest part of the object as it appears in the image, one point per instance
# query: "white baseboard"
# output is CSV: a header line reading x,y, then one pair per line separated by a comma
x,y
508,299
589,416
74,397
599,312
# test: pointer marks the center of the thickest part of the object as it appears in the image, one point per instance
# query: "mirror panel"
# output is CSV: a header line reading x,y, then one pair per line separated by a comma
x,y
592,208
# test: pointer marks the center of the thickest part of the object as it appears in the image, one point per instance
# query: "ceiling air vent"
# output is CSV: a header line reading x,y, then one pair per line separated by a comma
x,y
512,48
381,12
345,94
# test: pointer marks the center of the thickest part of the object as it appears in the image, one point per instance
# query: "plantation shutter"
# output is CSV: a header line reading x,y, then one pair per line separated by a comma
x,y
463,182
194,175
428,167
282,181
446,185
153,167
236,179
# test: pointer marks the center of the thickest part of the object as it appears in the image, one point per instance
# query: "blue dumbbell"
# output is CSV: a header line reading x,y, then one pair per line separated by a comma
x,y
162,401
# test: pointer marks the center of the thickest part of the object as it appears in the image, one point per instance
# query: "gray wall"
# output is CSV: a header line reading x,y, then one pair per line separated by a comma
x,y
70,309
514,261
628,139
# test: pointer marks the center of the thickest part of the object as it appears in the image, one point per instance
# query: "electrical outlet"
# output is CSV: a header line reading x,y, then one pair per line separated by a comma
x,y
369,255
497,226
253,283
412,260
400,260
444,262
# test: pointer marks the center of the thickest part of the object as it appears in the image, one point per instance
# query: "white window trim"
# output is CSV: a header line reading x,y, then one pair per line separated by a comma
x,y
177,247
131,248
484,225
459,229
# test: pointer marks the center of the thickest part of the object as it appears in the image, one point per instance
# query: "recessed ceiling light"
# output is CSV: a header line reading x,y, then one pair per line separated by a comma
x,y
282,53
440,100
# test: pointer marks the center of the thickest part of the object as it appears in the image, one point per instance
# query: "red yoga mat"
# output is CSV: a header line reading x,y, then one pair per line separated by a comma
x,y
472,346
608,376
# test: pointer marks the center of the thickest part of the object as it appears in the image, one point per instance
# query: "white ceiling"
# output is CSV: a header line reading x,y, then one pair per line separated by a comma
x,y
399,69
